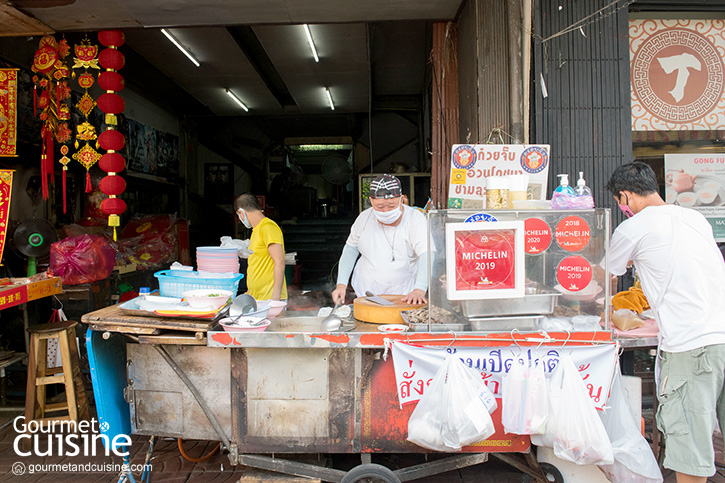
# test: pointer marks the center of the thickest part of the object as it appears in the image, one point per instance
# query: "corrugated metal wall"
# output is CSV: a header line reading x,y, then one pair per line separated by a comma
x,y
586,116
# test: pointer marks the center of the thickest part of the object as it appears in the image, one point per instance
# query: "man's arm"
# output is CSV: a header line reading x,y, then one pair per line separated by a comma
x,y
277,254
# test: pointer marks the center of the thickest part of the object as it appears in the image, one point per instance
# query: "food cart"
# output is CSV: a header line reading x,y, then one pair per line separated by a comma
x,y
296,389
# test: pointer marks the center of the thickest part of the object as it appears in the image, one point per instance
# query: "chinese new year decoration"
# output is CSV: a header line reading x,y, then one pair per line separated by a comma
x,y
85,58
8,112
111,139
51,74
86,155
6,184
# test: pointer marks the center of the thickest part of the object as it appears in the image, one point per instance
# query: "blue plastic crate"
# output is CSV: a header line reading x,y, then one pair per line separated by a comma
x,y
173,283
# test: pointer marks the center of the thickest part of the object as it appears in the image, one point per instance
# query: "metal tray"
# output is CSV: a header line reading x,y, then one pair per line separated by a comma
x,y
539,303
131,307
520,322
455,327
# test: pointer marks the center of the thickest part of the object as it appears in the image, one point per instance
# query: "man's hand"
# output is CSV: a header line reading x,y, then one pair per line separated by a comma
x,y
416,297
338,295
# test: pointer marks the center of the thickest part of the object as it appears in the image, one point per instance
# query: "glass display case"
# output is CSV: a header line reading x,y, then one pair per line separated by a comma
x,y
517,270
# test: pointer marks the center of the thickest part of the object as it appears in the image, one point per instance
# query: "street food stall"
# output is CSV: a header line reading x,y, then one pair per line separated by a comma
x,y
520,286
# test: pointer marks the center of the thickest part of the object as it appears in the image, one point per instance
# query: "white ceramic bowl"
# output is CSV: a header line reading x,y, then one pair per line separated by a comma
x,y
687,199
275,307
207,297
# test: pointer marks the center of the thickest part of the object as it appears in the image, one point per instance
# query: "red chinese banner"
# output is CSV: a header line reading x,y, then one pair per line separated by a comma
x,y
6,184
8,114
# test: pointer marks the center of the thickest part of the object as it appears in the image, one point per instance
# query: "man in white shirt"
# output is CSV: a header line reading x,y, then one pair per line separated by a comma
x,y
391,239
683,276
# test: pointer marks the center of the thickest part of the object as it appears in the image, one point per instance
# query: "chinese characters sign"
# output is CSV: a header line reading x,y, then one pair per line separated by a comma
x,y
8,111
677,74
6,184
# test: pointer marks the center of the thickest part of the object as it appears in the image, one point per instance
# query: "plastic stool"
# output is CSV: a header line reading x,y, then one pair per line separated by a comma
x,y
69,374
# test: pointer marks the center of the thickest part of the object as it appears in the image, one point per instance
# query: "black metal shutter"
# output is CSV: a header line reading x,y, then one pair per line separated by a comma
x,y
586,116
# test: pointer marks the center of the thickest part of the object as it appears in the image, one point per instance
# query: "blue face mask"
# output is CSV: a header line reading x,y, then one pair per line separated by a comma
x,y
625,208
245,220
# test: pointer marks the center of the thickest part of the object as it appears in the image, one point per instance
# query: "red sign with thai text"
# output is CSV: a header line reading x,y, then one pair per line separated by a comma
x,y
485,259
572,233
537,235
574,273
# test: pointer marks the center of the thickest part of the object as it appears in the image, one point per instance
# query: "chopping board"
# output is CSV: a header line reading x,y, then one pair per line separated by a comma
x,y
368,311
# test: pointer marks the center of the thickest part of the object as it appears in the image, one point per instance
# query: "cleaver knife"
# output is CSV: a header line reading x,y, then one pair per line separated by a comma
x,y
378,300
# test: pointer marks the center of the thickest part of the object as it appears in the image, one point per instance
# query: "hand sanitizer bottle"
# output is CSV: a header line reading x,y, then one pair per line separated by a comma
x,y
563,196
585,200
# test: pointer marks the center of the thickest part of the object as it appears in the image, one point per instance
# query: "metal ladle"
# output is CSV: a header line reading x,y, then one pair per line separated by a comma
x,y
331,322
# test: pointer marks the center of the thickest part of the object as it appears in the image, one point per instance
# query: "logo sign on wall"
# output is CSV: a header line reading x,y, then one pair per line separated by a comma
x,y
472,164
677,72
485,260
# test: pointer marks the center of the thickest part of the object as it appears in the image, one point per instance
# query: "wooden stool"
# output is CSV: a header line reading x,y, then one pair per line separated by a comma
x,y
39,375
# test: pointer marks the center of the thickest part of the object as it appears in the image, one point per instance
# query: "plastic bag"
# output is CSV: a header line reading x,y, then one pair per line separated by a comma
x,y
525,399
633,458
82,259
454,411
574,430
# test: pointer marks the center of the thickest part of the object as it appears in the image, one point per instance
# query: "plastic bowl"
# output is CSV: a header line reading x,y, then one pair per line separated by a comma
x,y
207,297
242,324
275,307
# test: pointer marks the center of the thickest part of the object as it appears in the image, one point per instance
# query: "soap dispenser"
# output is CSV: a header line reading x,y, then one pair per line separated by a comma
x,y
585,200
564,195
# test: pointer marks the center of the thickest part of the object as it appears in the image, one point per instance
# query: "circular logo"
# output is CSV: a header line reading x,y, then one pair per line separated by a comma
x,y
534,159
537,236
18,469
464,157
476,217
677,75
574,273
572,233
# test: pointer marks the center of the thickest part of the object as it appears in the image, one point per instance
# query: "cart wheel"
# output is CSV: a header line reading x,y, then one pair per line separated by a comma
x,y
550,471
370,473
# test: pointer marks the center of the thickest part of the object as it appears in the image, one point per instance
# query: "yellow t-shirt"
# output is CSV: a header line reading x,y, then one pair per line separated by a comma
x,y
260,266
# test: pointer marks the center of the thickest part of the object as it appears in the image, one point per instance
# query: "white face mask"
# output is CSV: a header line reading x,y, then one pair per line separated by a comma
x,y
388,217
245,220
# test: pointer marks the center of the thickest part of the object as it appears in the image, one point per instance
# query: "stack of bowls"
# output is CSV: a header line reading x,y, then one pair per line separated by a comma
x,y
217,259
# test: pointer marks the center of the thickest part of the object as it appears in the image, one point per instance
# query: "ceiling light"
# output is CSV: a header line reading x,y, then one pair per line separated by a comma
x,y
311,42
180,47
329,98
238,100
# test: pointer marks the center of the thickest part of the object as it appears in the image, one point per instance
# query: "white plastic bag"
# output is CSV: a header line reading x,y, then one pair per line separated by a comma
x,y
454,411
525,399
633,458
574,429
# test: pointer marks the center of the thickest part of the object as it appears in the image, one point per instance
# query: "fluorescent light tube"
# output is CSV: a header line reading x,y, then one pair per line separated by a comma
x,y
180,47
311,42
238,100
329,98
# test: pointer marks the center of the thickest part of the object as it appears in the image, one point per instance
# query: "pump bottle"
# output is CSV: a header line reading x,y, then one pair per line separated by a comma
x,y
564,196
584,198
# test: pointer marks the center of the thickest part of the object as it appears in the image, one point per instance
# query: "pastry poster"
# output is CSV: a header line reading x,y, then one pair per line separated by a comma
x,y
697,181
471,164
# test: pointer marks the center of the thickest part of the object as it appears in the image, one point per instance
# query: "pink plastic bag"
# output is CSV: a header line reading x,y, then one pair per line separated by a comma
x,y
82,259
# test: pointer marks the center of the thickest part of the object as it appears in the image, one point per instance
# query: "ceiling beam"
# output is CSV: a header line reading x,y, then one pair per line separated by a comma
x,y
247,40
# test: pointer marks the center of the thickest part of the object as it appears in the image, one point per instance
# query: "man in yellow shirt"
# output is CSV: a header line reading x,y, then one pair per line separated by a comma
x,y
265,267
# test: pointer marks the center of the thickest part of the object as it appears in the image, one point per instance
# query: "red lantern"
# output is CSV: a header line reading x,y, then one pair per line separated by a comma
x,y
111,59
112,185
111,81
111,103
111,38
112,163
111,140
113,206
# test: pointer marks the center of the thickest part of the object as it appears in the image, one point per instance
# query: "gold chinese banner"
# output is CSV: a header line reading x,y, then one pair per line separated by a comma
x,y
8,112
6,184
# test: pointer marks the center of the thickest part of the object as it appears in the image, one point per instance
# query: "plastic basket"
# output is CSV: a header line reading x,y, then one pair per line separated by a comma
x,y
171,285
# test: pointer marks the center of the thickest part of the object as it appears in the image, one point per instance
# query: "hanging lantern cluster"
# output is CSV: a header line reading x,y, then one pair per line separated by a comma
x,y
111,139
51,74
